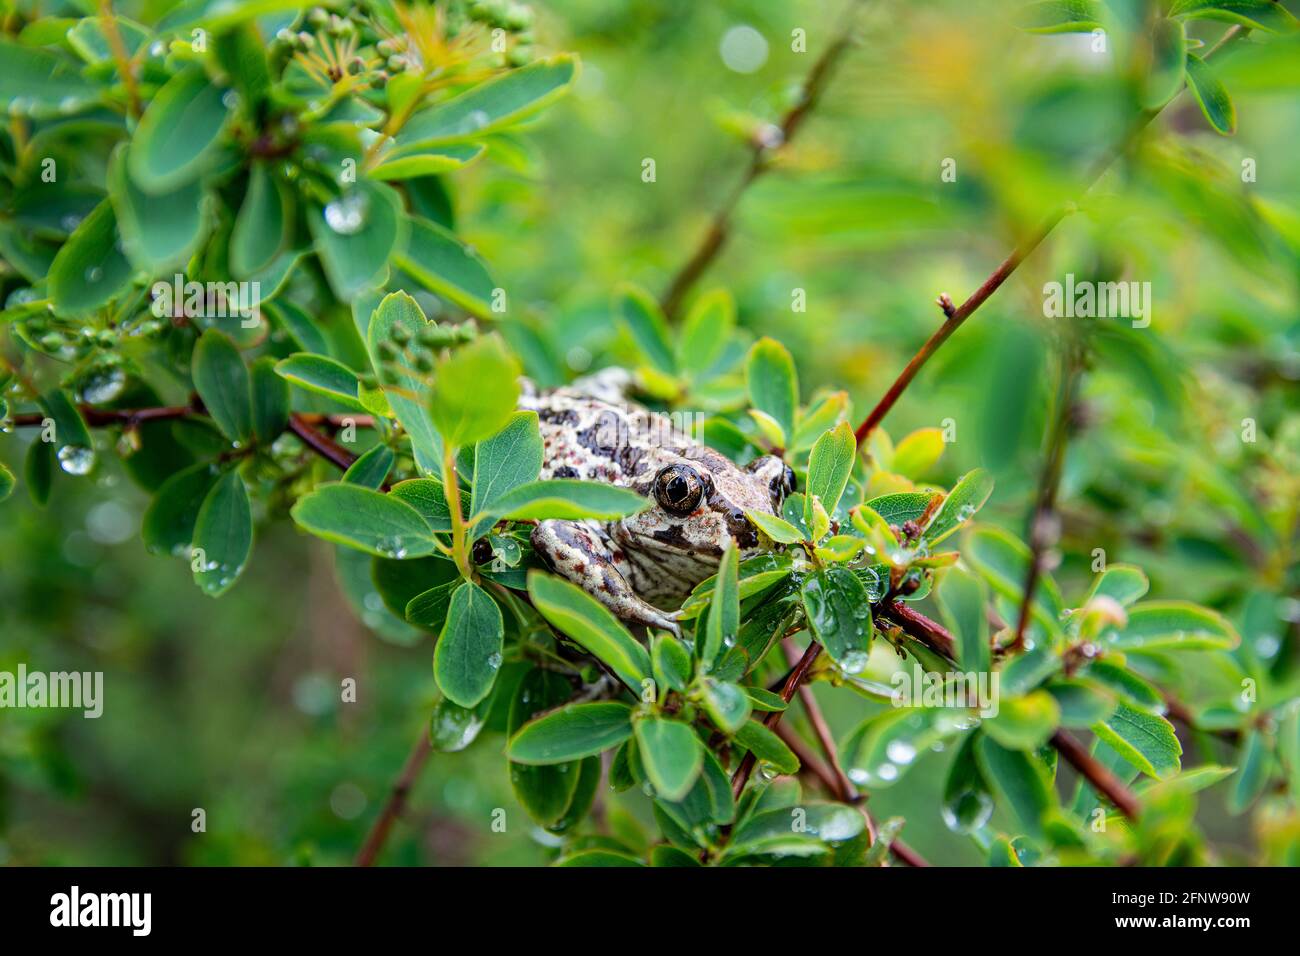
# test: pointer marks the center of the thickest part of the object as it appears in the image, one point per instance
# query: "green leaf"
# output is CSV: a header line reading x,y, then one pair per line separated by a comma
x,y
569,498
321,375
1123,583
356,234
221,379
38,471
7,481
446,266
176,140
1257,14
468,653
917,453
510,458
828,822
270,400
223,535
544,791
1253,771
671,662
1211,96
672,755
492,105
599,858
71,436
705,332
452,727
577,614
1175,624
429,498
1024,723
967,802
41,85
264,226
778,529
772,383
839,613
1145,740
371,468
578,730
829,466
463,410
1081,703
419,161
726,704
966,498
404,387
723,621
645,322
963,599
1061,16
885,746
378,524
764,700
168,524
767,747
1018,779
1168,63
1128,686
161,231
89,270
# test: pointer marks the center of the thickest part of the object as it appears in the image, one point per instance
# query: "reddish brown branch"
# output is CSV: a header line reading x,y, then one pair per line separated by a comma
x,y
1102,780
327,448
955,317
770,721
396,802
930,633
719,230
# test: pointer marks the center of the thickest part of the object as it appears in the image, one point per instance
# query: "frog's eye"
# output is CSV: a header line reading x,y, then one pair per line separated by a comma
x,y
678,489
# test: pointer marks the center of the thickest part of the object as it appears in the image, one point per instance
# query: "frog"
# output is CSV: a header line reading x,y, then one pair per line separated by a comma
x,y
641,567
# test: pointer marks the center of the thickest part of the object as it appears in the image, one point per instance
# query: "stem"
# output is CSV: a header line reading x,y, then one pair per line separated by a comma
x,y
1043,525
120,57
719,230
396,802
773,718
451,486
1102,780
325,447
954,317
930,633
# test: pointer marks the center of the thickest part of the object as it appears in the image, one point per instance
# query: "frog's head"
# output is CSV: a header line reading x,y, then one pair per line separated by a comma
x,y
700,499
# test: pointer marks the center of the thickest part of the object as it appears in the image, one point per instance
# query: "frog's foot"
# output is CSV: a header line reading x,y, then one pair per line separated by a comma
x,y
578,552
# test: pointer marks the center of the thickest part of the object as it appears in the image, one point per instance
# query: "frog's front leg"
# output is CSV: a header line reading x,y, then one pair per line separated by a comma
x,y
580,552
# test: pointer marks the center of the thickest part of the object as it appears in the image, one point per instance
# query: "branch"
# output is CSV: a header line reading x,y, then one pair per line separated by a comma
x,y
797,676
930,633
1102,780
396,802
325,447
1044,526
955,316
762,147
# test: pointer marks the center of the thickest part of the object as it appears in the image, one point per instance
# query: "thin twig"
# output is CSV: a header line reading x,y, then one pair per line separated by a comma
x,y
325,447
929,632
1044,529
955,316
1102,780
396,802
773,718
762,149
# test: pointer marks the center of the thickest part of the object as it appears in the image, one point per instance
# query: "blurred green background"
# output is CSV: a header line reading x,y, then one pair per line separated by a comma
x,y
233,705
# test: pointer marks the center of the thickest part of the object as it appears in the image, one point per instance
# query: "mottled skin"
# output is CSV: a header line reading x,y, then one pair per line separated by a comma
x,y
643,566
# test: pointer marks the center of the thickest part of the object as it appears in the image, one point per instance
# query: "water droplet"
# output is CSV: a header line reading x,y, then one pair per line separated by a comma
x,y
103,384
94,274
967,812
887,771
494,660
900,751
854,662
347,214
76,459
